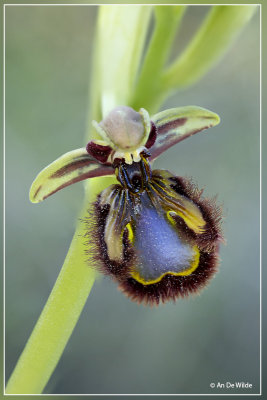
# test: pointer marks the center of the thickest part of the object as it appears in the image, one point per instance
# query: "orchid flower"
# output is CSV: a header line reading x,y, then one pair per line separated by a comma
x,y
155,235
152,231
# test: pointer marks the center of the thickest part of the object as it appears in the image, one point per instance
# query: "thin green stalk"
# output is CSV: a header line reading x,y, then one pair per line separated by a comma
x,y
217,32
56,323
67,299
147,92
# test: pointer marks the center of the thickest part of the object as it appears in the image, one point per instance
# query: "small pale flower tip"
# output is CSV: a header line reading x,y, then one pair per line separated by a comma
x,y
207,115
33,194
216,119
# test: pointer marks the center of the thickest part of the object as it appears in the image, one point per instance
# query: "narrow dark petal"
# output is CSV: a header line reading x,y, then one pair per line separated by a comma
x,y
152,136
98,151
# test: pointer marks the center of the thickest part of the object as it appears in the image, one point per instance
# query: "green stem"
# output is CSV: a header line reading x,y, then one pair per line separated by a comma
x,y
119,53
60,314
147,92
218,31
67,299
56,323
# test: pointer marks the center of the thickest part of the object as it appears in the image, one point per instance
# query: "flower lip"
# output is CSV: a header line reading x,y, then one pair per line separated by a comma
x,y
153,256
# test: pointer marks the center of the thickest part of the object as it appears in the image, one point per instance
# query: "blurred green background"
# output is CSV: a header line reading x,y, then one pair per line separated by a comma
x,y
118,346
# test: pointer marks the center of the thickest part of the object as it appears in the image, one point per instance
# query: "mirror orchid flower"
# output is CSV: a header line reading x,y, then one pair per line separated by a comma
x,y
153,232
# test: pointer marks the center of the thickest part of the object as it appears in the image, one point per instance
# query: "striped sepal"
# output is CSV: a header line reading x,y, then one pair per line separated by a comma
x,y
70,168
176,124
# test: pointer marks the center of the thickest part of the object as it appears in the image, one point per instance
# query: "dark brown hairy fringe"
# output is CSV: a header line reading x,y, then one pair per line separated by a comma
x,y
170,287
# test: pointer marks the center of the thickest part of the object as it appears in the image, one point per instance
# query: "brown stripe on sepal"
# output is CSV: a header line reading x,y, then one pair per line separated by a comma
x,y
37,191
71,167
177,124
79,163
91,174
170,139
162,129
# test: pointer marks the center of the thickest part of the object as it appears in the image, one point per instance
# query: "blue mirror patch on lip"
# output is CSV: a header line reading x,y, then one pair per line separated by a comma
x,y
159,248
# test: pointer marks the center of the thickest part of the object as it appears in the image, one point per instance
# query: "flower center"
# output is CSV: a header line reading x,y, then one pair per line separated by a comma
x,y
136,176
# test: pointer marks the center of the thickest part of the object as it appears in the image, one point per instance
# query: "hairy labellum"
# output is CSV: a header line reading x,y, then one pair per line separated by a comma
x,y
156,236
152,232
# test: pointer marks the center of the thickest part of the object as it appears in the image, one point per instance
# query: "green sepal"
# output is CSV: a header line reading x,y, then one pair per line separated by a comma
x,y
70,168
177,124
